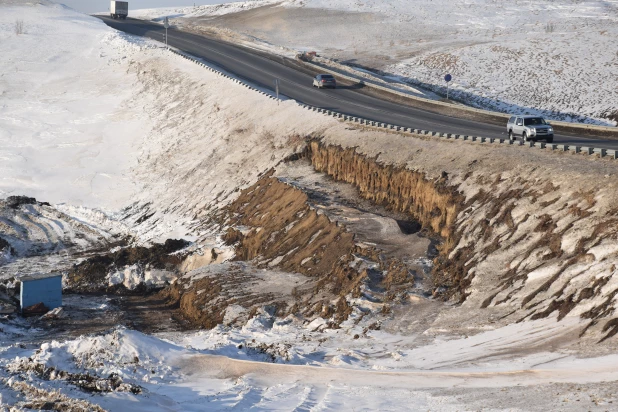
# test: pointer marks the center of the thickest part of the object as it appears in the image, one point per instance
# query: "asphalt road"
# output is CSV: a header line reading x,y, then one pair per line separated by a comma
x,y
262,71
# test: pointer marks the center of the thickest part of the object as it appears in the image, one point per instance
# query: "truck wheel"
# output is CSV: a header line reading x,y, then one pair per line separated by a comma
x,y
510,135
524,137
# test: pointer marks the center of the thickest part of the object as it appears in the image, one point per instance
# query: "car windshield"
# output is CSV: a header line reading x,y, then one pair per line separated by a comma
x,y
327,76
532,121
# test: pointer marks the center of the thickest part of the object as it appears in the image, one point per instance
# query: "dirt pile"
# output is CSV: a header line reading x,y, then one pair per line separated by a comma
x,y
272,225
285,232
53,400
15,202
231,294
93,274
84,381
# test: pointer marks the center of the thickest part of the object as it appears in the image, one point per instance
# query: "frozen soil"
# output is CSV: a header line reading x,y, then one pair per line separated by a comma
x,y
393,233
98,313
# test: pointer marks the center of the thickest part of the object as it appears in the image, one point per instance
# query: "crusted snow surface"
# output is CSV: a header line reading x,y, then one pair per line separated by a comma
x,y
66,137
202,10
288,363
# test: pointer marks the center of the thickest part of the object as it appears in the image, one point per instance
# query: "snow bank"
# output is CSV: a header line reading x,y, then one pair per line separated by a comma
x,y
135,275
68,134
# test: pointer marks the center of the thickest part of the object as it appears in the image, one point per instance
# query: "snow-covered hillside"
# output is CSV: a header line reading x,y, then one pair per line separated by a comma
x,y
555,57
177,143
66,135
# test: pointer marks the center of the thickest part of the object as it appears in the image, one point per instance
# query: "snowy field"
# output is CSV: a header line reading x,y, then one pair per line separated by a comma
x,y
557,58
109,128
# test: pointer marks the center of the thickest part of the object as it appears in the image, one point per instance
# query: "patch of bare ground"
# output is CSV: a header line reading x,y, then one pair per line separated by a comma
x,y
434,204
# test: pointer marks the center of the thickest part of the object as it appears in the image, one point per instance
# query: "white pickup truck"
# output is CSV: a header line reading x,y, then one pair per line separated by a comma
x,y
119,9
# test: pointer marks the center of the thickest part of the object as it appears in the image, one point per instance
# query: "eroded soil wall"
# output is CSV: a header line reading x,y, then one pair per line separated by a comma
x,y
521,244
433,203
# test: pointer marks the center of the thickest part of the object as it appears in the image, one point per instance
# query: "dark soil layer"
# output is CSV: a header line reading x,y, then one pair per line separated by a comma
x,y
90,275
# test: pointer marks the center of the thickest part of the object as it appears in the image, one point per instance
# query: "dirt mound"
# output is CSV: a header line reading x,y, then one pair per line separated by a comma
x,y
14,202
36,309
92,274
84,381
272,225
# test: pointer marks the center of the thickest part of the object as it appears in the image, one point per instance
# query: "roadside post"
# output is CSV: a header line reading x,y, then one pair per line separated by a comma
x,y
277,89
166,24
447,78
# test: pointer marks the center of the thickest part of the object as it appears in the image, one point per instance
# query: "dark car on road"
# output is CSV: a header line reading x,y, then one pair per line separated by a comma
x,y
324,80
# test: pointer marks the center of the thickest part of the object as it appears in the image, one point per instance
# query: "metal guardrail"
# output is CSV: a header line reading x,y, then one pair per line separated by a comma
x,y
450,106
416,132
220,73
451,136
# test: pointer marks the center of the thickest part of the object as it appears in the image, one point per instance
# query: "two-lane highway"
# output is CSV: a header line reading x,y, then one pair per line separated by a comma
x,y
259,70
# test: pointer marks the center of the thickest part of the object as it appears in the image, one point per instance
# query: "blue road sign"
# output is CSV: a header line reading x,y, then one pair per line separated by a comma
x,y
448,78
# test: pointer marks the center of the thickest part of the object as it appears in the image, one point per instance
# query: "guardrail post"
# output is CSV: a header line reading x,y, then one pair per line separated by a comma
x,y
541,145
601,152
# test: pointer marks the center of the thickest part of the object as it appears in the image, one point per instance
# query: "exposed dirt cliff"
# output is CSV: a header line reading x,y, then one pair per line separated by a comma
x,y
527,234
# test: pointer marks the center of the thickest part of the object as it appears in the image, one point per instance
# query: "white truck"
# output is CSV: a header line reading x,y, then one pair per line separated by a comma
x,y
119,9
